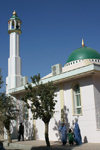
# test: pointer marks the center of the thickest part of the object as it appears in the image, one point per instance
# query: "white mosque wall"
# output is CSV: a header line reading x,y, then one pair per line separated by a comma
x,y
87,121
96,80
55,121
68,102
40,128
90,99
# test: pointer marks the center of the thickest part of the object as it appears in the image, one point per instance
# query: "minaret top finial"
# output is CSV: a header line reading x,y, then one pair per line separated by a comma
x,y
14,12
83,43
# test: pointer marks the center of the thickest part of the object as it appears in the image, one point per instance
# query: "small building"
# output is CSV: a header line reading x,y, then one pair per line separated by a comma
x,y
78,95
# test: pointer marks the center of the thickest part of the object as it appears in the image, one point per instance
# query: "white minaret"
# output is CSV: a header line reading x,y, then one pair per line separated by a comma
x,y
14,78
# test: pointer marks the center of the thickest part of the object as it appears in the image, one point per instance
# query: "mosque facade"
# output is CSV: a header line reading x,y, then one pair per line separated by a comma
x,y
78,95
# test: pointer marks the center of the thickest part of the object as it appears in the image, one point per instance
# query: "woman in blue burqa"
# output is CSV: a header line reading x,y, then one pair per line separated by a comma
x,y
77,133
63,131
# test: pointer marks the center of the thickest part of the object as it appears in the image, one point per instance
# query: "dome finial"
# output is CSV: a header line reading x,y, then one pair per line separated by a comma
x,y
14,12
83,43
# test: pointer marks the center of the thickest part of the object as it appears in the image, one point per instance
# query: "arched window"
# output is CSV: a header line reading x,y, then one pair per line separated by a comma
x,y
77,100
12,24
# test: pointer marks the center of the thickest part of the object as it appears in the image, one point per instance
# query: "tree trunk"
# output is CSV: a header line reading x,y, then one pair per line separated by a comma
x,y
46,134
9,136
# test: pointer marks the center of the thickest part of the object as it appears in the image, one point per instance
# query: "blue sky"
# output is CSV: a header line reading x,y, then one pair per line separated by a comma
x,y
51,30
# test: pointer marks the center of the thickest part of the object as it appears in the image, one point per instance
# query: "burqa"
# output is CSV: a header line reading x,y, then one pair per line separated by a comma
x,y
77,134
63,131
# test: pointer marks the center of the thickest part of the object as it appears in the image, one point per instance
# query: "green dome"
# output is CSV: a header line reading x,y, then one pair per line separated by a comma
x,y
83,53
15,17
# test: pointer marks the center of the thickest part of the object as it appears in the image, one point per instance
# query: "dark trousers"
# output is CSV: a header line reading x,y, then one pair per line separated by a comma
x,y
64,142
21,135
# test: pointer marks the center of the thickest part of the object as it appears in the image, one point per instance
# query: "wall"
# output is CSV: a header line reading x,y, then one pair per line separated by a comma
x,y
96,80
86,121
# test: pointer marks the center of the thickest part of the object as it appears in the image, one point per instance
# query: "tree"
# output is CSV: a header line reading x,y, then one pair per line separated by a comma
x,y
1,81
42,101
8,111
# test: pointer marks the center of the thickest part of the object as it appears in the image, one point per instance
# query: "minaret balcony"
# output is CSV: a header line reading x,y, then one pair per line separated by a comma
x,y
14,30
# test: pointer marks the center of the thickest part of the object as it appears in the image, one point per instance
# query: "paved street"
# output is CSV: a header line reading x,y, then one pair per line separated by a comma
x,y
40,145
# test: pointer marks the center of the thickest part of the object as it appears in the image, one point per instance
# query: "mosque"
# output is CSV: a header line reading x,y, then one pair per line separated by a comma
x,y
78,95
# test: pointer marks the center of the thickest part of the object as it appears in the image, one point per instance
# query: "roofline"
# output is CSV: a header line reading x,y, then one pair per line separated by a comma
x,y
86,70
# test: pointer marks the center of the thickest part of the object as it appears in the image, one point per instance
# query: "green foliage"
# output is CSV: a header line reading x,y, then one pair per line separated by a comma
x,y
41,97
1,82
8,109
42,101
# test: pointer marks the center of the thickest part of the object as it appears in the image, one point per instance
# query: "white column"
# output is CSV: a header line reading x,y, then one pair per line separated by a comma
x,y
10,26
14,78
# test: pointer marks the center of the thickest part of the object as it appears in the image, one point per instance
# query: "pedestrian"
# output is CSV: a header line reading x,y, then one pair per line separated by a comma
x,y
21,132
63,131
71,137
77,133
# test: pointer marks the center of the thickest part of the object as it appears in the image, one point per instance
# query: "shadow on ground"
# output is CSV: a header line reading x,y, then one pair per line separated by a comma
x,y
13,149
53,148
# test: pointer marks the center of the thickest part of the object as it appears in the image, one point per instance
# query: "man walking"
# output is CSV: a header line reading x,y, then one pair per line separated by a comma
x,y
21,132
